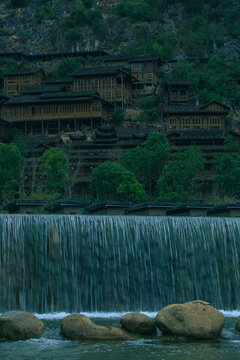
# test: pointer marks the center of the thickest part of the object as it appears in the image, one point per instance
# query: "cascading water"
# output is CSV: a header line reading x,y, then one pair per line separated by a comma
x,y
103,263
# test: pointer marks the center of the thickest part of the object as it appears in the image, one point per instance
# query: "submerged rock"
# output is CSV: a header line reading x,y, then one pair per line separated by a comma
x,y
196,319
20,325
237,326
80,327
138,323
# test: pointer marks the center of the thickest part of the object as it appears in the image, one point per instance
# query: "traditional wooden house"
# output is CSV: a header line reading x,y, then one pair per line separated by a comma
x,y
67,82
177,91
42,89
56,112
145,70
210,116
206,140
113,83
116,60
183,114
16,80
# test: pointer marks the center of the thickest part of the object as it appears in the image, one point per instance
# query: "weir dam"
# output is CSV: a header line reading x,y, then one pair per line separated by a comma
x,y
54,263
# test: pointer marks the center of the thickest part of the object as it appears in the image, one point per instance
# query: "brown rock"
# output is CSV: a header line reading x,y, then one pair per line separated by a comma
x,y
237,326
138,323
77,327
196,319
20,325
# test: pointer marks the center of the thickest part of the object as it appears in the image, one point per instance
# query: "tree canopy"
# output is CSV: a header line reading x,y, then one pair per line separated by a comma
x,y
56,166
227,174
147,162
11,167
112,181
180,177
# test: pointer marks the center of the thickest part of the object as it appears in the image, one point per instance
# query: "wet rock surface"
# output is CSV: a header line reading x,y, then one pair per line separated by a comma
x,y
196,319
138,323
20,325
80,327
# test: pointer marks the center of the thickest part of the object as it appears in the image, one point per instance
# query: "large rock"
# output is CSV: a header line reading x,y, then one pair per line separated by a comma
x,y
195,319
20,325
138,323
77,327
237,326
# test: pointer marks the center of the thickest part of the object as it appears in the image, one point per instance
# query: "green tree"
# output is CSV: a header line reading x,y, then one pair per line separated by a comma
x,y
180,177
11,167
72,36
56,166
68,65
227,174
147,162
138,161
111,181
157,145
41,194
230,144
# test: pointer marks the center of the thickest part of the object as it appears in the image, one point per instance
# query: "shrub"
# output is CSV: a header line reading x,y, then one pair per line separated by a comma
x,y
71,36
118,116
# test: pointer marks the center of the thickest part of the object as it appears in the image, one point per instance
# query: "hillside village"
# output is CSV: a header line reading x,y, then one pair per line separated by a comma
x,y
106,103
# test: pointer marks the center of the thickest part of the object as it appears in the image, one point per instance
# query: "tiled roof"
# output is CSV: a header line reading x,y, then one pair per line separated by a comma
x,y
64,80
15,203
24,71
188,108
196,134
56,97
64,203
105,204
100,70
39,89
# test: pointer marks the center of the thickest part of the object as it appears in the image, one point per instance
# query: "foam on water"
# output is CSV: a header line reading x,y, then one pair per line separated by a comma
x,y
94,315
233,314
116,315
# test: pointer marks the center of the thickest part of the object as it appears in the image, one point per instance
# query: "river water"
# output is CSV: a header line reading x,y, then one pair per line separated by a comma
x,y
52,346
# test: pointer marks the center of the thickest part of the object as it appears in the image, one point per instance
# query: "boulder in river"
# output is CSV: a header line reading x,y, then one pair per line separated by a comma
x,y
138,323
196,319
80,327
20,325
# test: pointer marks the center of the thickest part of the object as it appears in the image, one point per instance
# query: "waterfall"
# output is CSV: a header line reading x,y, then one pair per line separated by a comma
x,y
106,263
